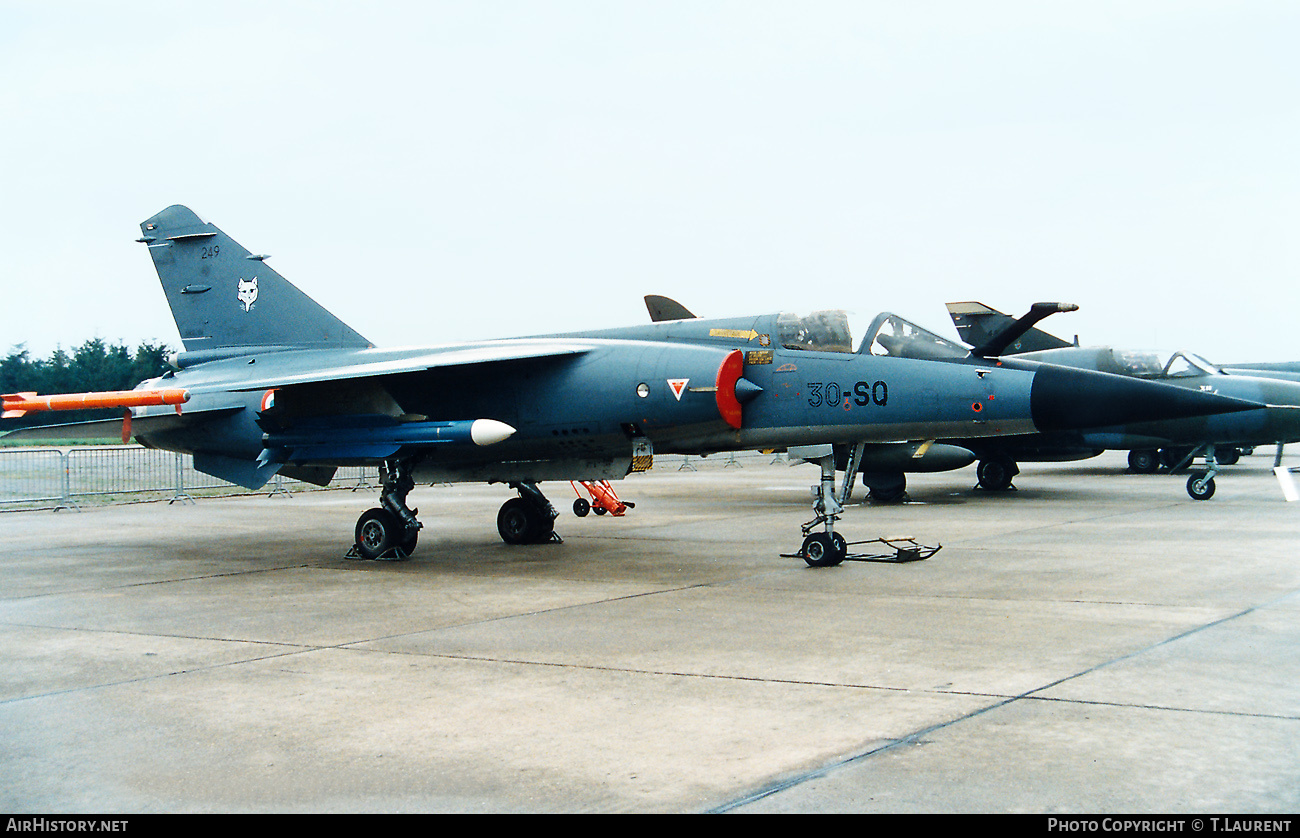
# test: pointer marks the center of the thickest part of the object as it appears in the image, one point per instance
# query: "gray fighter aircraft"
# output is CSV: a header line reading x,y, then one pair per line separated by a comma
x,y
270,382
1171,443
883,465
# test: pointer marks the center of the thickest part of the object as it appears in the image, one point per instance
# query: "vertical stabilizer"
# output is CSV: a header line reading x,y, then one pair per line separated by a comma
x,y
222,296
979,325
666,308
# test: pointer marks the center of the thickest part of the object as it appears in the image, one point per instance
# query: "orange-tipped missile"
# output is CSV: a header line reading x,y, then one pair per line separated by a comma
x,y
19,404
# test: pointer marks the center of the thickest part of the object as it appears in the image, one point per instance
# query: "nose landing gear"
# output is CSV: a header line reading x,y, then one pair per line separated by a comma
x,y
828,548
1200,486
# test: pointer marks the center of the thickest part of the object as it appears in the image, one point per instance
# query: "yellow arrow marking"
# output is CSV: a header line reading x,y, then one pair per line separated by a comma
x,y
733,333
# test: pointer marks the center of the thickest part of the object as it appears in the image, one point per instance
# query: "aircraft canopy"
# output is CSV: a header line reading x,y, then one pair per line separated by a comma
x,y
821,331
1149,365
891,335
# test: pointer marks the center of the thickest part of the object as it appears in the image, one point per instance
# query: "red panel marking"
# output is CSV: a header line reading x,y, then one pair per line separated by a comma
x,y
732,367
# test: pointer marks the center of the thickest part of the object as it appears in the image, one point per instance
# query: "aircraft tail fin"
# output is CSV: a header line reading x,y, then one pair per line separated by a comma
x,y
222,296
666,308
979,325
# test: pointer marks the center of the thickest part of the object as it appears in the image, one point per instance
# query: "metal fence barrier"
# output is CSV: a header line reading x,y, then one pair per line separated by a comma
x,y
57,477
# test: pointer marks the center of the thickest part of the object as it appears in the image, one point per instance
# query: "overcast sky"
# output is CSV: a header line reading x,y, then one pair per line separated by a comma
x,y
440,171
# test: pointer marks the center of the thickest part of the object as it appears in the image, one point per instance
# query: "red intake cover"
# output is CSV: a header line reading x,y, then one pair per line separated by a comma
x,y
733,366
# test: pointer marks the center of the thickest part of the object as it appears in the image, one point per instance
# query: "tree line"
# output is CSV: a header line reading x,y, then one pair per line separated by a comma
x,y
93,366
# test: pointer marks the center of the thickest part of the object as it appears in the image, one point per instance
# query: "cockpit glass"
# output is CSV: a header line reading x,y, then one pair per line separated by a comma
x,y
1149,365
820,331
893,336
1139,364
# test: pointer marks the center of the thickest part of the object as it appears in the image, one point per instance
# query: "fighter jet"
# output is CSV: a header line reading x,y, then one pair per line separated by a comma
x,y
1171,443
884,466
270,382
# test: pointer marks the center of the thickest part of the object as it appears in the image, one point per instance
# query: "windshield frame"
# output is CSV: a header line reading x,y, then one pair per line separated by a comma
x,y
891,336
1196,366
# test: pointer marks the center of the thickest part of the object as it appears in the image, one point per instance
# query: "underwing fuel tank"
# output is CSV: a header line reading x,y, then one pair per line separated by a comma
x,y
913,457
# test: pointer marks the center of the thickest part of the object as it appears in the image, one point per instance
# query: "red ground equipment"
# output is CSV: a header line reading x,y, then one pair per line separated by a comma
x,y
603,499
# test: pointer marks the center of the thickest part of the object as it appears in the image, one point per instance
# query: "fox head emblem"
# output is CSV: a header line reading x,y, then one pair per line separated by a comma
x,y
248,292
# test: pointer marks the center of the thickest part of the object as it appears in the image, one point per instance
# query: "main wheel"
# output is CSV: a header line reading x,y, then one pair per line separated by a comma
x,y
378,531
823,549
995,474
885,486
1200,487
1228,456
518,522
1144,461
1171,457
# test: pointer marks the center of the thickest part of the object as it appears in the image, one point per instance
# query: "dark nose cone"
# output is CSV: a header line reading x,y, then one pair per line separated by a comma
x,y
1062,398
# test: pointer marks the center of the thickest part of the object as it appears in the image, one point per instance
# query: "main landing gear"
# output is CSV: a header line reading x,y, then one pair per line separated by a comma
x,y
995,474
529,518
390,530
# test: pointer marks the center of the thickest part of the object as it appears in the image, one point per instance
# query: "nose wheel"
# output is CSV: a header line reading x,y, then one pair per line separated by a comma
x,y
824,549
1200,486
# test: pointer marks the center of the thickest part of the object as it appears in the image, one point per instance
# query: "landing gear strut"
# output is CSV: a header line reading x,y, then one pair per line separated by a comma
x,y
529,518
1200,486
827,548
390,530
